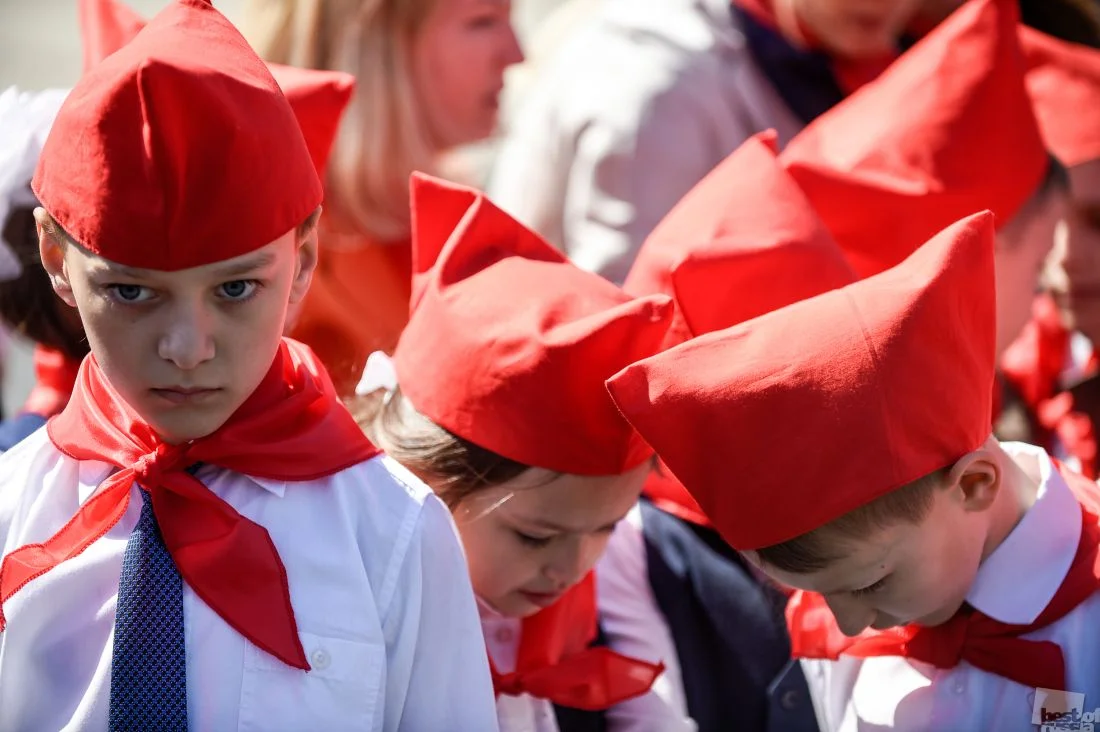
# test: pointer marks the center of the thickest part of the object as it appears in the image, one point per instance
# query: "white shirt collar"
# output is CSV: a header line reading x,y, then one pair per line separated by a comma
x,y
91,473
1018,580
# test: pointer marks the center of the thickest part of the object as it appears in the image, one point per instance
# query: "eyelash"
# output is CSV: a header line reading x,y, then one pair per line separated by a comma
x,y
533,541
113,289
869,589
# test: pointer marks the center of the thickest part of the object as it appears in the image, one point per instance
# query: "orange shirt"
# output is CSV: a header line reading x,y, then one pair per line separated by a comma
x,y
358,303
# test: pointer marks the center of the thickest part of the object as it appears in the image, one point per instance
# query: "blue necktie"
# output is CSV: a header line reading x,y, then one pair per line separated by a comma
x,y
149,667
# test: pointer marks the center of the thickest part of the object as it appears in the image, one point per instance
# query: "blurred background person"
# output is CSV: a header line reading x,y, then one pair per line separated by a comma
x,y
429,78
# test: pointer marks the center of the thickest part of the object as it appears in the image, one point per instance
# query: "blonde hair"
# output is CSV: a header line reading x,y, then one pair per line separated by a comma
x,y
383,136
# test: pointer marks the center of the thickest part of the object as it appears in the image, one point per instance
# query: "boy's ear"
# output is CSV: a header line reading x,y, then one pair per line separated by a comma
x,y
306,258
51,249
975,478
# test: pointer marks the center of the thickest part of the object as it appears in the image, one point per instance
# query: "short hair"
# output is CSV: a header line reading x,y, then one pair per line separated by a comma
x,y
454,467
817,549
28,304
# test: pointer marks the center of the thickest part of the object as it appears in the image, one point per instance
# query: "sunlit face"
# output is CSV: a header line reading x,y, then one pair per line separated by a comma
x,y
905,573
1022,249
857,28
184,348
458,62
1074,272
529,540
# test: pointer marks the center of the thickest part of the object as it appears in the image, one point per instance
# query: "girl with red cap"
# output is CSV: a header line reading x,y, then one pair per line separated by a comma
x,y
495,398
202,538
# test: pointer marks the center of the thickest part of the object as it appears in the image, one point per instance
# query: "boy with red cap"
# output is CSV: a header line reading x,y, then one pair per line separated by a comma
x,y
843,445
947,130
505,414
27,302
202,538
743,242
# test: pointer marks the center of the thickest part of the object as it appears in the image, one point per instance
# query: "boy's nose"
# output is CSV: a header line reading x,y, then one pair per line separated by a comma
x,y
852,617
189,340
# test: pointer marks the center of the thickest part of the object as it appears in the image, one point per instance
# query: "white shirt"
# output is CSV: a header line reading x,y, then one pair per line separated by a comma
x,y
624,119
634,627
377,578
1013,585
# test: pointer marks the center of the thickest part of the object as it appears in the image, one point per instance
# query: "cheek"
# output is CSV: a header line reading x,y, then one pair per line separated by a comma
x,y
496,567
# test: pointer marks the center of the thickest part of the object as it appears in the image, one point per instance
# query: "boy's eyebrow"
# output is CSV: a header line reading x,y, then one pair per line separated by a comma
x,y
244,266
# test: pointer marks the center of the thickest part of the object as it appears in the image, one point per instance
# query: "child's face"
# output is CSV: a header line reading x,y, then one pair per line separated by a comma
x,y
543,537
185,348
905,573
1022,250
1074,274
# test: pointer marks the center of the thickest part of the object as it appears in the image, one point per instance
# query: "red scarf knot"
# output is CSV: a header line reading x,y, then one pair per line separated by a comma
x,y
291,428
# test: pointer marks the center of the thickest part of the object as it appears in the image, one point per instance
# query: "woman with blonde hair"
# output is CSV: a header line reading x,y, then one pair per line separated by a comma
x,y
429,75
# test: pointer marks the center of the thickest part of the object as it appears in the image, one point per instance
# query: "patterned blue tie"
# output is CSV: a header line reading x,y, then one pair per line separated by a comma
x,y
149,668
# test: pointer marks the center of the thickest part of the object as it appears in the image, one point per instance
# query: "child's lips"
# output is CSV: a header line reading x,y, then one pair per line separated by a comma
x,y
184,394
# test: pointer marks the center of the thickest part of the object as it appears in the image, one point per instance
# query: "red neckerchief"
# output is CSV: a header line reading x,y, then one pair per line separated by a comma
x,y
291,428
1034,364
985,643
555,663
850,74
55,376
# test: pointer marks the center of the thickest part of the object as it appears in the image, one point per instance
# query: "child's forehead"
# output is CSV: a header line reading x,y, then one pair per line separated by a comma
x,y
259,259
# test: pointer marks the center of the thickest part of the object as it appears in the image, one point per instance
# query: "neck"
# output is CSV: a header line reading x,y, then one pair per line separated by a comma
x,y
1020,479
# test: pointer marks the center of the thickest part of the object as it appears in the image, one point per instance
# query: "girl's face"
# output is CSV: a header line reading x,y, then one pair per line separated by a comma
x,y
529,540
458,62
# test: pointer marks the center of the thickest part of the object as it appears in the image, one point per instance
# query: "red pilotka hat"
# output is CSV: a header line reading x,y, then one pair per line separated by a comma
x,y
1063,80
786,422
147,164
509,344
318,98
946,131
743,242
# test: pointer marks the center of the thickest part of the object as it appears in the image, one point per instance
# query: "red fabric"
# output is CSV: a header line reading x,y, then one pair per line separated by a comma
x,y
55,376
291,428
769,413
120,170
105,27
995,647
358,303
1034,364
508,344
946,131
850,73
743,242
318,98
1064,82
554,661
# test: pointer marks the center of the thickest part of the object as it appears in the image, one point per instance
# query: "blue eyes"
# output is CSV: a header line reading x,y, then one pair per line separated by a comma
x,y
235,291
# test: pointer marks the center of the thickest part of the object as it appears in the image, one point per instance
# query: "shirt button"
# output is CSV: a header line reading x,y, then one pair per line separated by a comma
x,y
319,660
789,700
960,688
505,635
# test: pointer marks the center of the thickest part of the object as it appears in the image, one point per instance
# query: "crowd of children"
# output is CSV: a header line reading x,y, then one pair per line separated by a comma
x,y
825,460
